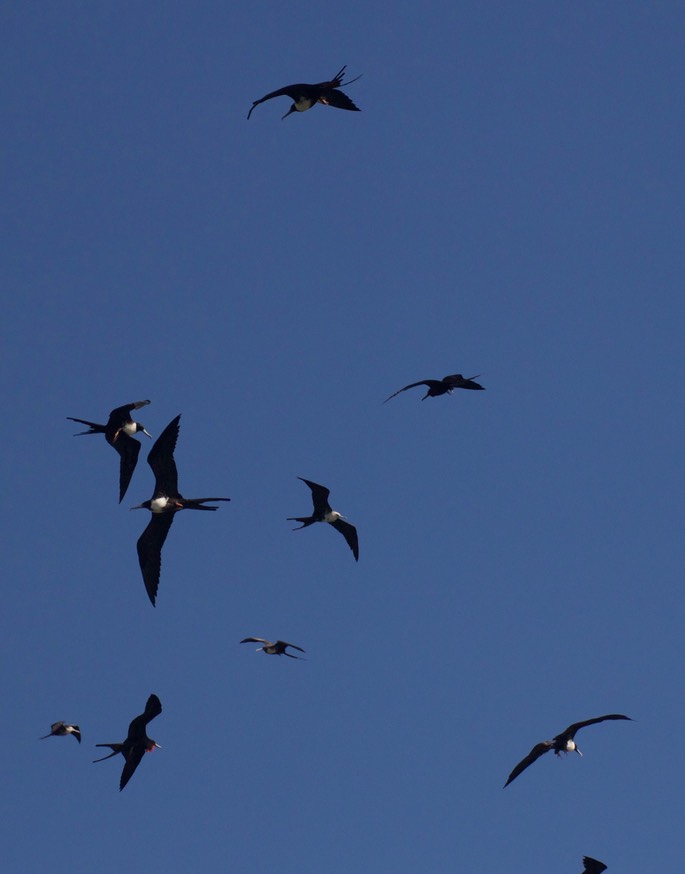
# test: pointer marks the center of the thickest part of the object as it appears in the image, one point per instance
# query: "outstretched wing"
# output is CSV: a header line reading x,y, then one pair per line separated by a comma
x,y
298,648
349,532
429,382
288,91
161,459
319,496
128,450
149,548
572,729
133,758
456,380
136,730
122,414
593,866
537,751
338,100
256,640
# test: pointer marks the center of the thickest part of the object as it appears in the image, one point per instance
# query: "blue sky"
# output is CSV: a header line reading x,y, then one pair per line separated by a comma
x,y
509,203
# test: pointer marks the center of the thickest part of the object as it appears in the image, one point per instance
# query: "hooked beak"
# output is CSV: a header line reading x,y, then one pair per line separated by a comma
x,y
578,751
138,507
147,433
156,745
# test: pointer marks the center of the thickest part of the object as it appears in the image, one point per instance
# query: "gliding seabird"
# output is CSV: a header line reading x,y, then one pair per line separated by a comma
x,y
443,386
323,513
592,866
137,742
61,729
119,432
164,504
306,96
277,648
562,743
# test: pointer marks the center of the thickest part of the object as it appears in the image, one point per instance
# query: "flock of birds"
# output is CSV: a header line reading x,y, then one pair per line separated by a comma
x,y
166,501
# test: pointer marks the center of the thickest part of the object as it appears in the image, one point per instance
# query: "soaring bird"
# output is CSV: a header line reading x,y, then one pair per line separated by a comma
x,y
562,743
61,729
306,96
137,742
119,432
592,866
164,503
277,648
323,513
443,386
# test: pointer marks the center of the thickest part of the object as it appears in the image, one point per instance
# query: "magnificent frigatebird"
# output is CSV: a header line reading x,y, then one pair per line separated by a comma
x,y
306,96
137,742
277,648
119,432
61,729
443,386
163,505
562,743
323,513
592,866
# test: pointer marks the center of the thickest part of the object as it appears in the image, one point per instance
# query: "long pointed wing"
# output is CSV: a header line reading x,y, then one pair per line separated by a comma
x,y
128,450
456,380
338,100
319,496
287,91
298,648
593,866
428,382
256,640
537,751
122,414
349,532
149,548
133,759
161,459
572,729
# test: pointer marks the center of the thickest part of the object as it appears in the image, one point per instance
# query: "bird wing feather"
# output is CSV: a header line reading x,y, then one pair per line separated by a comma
x,y
149,548
349,532
537,751
161,459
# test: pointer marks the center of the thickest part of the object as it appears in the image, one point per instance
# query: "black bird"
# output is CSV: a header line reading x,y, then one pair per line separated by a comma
x,y
277,648
163,504
306,96
562,743
137,742
592,866
119,432
323,513
443,386
61,729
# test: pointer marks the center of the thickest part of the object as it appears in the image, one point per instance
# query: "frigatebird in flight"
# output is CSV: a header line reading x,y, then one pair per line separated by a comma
x,y
306,96
592,866
324,513
137,742
444,386
277,648
562,743
61,729
165,502
119,432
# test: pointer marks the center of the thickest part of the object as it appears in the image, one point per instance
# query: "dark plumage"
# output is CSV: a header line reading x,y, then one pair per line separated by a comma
x,y
592,866
118,433
562,743
443,386
276,648
137,742
61,729
323,513
165,502
306,96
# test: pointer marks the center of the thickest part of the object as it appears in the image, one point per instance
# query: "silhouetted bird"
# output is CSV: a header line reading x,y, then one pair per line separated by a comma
x,y
277,648
119,432
562,743
592,866
61,729
306,96
165,502
137,742
323,513
443,386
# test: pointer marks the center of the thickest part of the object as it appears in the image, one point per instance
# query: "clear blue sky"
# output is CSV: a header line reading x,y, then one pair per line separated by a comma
x,y
509,202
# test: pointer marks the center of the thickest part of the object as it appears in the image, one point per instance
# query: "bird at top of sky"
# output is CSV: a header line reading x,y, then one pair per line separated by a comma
x,y
324,513
165,502
444,386
562,743
119,432
306,96
276,648
137,742
62,729
592,866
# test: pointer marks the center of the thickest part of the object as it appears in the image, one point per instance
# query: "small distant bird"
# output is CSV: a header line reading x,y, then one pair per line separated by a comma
x,y
562,743
119,432
323,513
305,96
592,866
61,729
163,505
137,742
277,648
444,386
